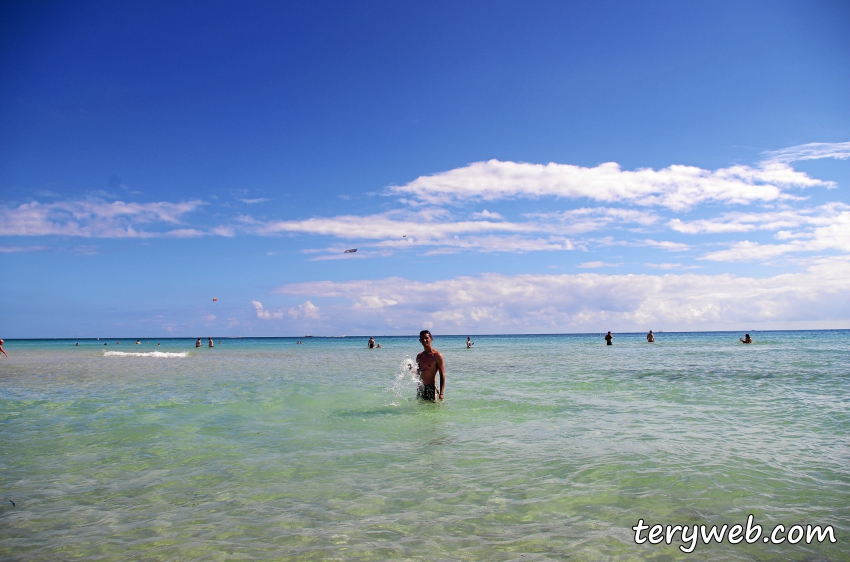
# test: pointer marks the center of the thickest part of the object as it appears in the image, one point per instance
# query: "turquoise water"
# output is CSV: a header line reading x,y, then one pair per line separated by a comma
x,y
546,448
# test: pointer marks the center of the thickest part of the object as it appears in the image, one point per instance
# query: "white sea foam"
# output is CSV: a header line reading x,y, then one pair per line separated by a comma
x,y
406,382
158,354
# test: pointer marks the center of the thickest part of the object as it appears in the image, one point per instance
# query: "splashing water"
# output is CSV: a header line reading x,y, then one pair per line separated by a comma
x,y
406,382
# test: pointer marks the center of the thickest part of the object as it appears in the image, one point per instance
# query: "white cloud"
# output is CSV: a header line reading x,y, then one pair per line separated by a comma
x,y
676,187
254,201
226,231
587,219
596,264
810,151
304,310
95,219
427,223
833,237
824,228
665,245
264,314
20,249
485,214
775,220
591,302
670,266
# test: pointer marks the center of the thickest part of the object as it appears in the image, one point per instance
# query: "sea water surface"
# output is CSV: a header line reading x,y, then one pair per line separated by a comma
x,y
546,447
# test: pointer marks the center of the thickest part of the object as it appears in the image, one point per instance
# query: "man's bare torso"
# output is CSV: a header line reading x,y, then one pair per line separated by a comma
x,y
429,365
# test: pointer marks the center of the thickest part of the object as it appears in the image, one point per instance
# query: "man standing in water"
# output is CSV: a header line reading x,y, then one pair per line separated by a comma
x,y
650,337
609,338
430,362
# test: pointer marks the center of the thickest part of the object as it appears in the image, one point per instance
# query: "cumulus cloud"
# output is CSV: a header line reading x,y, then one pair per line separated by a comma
x,y
264,314
810,151
304,310
589,301
676,187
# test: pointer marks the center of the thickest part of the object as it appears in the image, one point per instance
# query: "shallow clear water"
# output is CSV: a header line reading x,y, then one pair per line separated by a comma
x,y
547,447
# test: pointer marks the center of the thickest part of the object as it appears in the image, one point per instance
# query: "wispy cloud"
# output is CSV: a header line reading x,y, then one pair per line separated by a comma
x,y
21,249
676,187
597,264
390,225
670,266
810,151
254,201
774,220
664,245
832,237
96,219
589,301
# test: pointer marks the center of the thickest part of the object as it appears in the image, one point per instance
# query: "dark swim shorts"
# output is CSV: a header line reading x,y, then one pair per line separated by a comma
x,y
427,392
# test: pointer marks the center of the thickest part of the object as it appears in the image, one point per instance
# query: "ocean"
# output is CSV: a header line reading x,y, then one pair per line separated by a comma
x,y
547,447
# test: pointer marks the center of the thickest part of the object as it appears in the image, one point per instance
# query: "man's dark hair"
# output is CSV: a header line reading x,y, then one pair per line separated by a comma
x,y
423,332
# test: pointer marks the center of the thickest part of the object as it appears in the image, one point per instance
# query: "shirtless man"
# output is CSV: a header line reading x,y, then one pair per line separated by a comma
x,y
430,362
469,343
609,338
650,337
211,342
198,343
3,351
371,344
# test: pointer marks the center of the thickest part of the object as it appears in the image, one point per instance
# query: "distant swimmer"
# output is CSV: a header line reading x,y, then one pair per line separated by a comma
x,y
430,362
118,343
211,342
157,343
609,339
138,342
198,343
469,343
378,345
77,344
104,343
371,344
650,337
746,339
3,351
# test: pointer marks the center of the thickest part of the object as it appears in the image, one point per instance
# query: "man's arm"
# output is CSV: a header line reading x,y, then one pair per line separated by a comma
x,y
441,367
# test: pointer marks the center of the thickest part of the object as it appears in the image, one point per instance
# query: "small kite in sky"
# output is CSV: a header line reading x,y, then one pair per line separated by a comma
x,y
351,251
215,299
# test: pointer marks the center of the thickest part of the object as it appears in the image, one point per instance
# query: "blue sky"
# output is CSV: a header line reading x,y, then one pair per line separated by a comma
x,y
500,167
